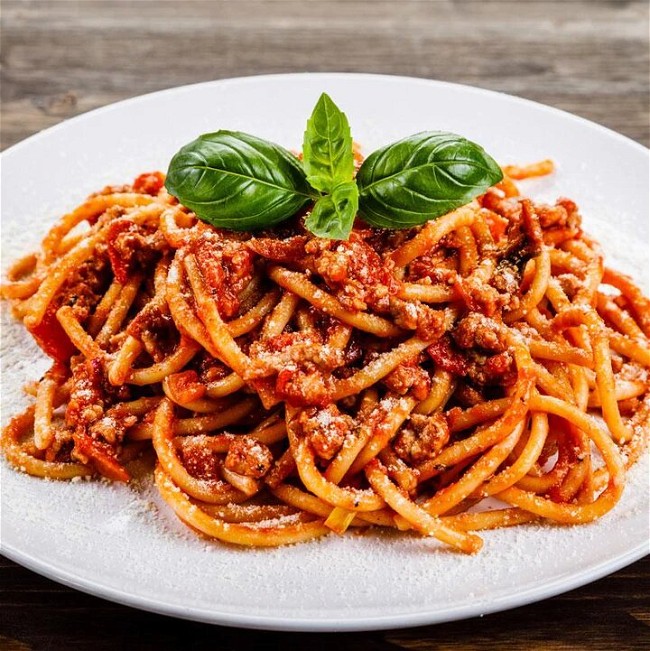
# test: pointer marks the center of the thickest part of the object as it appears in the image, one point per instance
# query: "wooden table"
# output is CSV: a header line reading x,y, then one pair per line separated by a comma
x,y
61,58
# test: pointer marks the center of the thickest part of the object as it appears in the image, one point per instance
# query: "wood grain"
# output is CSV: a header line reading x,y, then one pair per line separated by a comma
x,y
39,614
63,57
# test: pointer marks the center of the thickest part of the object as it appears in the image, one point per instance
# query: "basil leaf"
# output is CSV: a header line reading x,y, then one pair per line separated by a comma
x,y
234,180
423,177
327,147
333,214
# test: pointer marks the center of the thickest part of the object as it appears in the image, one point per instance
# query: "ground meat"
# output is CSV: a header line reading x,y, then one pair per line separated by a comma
x,y
152,316
507,281
112,189
301,363
354,271
112,426
85,288
290,250
198,459
149,183
438,265
421,438
249,457
405,313
154,326
507,207
132,247
465,354
97,433
82,291
559,222
564,214
477,295
523,234
409,378
86,403
305,349
493,370
227,268
326,430
300,387
428,323
91,393
477,330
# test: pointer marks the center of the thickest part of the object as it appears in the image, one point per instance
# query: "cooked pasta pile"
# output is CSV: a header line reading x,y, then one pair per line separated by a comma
x,y
292,386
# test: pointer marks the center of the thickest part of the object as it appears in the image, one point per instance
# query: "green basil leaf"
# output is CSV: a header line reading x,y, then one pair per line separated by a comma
x,y
327,147
234,180
333,214
423,177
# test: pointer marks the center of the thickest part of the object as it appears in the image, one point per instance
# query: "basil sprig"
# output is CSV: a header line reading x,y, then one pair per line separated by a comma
x,y
238,181
234,180
333,214
327,146
329,163
423,177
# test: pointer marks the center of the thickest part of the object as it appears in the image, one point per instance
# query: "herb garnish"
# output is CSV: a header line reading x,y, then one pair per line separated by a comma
x,y
238,181
423,177
234,180
329,164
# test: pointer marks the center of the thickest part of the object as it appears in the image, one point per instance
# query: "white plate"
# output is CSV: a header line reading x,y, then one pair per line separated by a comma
x,y
122,544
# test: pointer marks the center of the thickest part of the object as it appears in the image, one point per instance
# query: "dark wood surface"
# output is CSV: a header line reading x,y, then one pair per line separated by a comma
x,y
61,58
611,614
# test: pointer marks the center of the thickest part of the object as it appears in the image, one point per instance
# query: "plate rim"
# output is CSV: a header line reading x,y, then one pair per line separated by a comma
x,y
538,593
544,590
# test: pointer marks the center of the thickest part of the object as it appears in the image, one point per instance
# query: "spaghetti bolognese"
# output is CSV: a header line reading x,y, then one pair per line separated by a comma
x,y
291,385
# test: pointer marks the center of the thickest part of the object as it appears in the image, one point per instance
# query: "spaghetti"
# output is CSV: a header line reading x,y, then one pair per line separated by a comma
x,y
290,386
